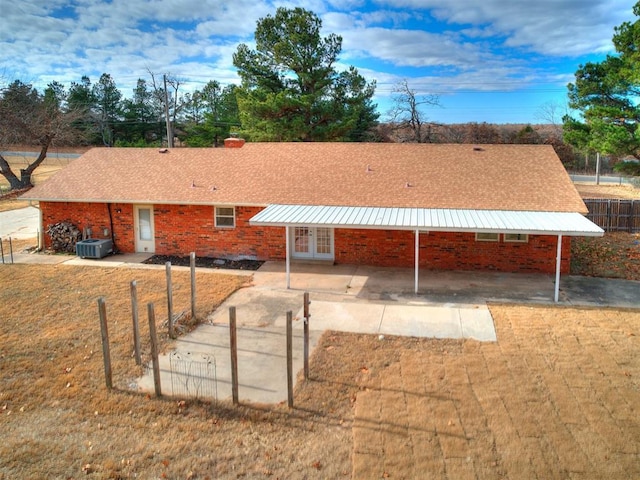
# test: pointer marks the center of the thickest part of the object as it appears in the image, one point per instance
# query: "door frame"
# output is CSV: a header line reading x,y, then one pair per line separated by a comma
x,y
312,242
143,246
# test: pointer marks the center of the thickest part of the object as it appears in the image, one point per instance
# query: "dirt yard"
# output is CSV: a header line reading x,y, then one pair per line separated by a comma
x,y
615,255
557,397
588,190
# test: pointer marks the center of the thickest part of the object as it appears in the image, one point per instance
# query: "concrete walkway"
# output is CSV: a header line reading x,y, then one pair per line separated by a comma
x,y
261,319
19,223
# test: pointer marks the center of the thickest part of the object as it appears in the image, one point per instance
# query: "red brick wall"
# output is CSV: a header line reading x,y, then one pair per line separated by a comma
x,y
94,216
181,229
449,251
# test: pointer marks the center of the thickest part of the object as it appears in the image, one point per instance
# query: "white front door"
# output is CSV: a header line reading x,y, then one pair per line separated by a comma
x,y
312,242
143,228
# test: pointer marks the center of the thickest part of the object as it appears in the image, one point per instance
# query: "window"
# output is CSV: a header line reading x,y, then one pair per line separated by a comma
x,y
487,237
225,217
516,237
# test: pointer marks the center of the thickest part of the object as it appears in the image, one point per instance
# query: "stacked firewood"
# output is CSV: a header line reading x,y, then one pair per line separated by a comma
x,y
64,236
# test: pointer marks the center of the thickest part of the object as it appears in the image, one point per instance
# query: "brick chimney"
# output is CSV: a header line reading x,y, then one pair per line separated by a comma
x,y
233,142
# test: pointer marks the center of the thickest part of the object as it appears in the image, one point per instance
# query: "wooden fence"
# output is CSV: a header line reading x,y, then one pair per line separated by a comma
x,y
614,215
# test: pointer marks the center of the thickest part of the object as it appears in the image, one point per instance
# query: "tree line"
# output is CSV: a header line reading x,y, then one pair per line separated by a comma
x,y
290,90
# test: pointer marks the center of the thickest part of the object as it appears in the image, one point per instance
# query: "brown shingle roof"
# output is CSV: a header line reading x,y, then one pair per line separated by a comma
x,y
490,177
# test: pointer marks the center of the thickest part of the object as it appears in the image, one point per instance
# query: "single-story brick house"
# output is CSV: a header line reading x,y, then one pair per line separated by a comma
x,y
464,207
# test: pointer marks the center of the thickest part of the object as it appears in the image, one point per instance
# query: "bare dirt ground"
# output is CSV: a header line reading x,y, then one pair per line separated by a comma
x,y
608,191
557,397
51,165
615,255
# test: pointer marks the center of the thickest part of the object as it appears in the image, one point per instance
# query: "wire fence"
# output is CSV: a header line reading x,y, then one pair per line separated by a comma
x,y
193,376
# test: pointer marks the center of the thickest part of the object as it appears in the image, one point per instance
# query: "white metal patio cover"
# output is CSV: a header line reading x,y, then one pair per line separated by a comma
x,y
430,219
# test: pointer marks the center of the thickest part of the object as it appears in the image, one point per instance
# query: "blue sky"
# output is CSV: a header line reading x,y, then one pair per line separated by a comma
x,y
501,61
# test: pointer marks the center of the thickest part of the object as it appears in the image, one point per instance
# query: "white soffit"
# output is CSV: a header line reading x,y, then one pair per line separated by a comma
x,y
429,219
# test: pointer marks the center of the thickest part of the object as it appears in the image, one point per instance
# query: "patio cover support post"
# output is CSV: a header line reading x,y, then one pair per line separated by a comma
x,y
417,255
558,263
287,257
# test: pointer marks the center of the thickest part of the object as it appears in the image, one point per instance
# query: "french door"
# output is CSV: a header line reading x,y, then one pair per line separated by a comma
x,y
312,243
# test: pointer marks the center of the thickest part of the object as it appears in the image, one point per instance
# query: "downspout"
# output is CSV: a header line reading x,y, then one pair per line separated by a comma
x,y
40,226
113,237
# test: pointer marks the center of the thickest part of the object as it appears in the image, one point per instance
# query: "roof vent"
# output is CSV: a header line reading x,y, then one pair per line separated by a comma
x,y
408,185
478,149
233,142
369,169
163,150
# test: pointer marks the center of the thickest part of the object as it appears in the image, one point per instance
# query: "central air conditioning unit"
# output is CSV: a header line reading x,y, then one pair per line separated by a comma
x,y
94,248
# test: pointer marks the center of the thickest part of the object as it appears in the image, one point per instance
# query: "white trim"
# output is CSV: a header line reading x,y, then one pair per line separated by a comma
x,y
311,252
215,216
288,256
144,245
417,262
556,293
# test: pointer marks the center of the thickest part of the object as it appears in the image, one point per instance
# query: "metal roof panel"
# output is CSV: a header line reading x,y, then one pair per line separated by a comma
x,y
447,220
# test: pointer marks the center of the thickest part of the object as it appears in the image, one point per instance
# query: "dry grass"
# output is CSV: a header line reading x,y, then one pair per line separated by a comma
x,y
558,396
12,204
615,255
17,246
587,190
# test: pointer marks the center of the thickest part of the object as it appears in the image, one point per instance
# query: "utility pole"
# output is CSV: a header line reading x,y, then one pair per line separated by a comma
x,y
166,113
598,168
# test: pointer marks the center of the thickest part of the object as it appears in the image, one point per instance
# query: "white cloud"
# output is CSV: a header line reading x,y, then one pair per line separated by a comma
x,y
415,48
439,45
545,26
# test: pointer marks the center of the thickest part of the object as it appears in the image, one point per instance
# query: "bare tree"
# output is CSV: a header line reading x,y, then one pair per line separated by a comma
x,y
166,94
552,113
482,133
407,113
29,118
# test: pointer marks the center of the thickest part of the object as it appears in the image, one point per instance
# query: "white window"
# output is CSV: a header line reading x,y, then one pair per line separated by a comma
x,y
487,237
225,217
516,237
